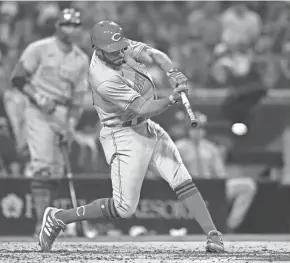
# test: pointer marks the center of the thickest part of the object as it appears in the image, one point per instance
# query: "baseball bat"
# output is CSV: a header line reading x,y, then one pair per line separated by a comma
x,y
69,175
193,119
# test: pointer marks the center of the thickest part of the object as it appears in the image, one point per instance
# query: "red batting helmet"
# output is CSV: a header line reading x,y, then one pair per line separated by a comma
x,y
69,16
108,36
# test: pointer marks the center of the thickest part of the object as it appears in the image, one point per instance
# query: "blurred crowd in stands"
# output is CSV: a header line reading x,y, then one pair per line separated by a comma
x,y
233,42
216,44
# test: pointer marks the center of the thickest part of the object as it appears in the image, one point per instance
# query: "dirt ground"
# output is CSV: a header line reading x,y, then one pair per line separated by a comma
x,y
147,249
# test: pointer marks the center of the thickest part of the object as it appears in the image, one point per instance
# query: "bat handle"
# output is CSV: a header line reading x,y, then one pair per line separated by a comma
x,y
193,119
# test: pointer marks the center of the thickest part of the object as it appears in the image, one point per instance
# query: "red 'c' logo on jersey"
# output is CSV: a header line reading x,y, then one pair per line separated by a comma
x,y
116,37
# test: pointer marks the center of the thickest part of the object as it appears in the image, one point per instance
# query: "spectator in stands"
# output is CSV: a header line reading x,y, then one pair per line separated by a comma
x,y
8,12
186,55
176,130
9,97
204,159
266,62
276,23
168,26
232,64
240,25
15,106
130,14
103,10
8,157
5,153
4,75
3,120
205,23
47,16
285,61
284,67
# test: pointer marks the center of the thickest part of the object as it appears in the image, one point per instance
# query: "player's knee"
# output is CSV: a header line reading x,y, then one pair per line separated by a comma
x,y
126,213
126,210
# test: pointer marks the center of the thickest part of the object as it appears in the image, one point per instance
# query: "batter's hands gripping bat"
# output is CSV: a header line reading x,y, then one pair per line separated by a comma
x,y
176,79
193,119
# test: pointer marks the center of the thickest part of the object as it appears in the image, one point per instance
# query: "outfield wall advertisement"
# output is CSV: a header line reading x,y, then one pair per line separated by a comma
x,y
158,209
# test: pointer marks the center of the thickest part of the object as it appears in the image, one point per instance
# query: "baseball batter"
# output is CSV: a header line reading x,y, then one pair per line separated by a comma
x,y
124,97
52,72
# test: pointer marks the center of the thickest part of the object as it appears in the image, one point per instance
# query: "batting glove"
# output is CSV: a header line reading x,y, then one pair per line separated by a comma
x,y
176,78
67,136
176,94
44,103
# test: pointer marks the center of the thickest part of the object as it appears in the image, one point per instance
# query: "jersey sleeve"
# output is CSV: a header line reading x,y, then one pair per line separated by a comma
x,y
30,57
135,48
117,92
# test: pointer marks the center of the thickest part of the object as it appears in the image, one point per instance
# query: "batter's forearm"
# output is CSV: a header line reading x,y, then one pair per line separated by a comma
x,y
154,107
161,59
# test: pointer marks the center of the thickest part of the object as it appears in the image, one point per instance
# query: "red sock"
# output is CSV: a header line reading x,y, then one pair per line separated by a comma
x,y
99,209
189,195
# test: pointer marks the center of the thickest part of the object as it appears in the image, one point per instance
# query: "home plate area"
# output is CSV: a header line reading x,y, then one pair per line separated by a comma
x,y
144,250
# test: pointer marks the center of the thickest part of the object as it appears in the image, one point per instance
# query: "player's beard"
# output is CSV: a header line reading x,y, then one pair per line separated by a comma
x,y
118,62
114,62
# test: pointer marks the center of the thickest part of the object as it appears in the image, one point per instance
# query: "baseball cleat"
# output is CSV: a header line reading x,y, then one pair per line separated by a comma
x,y
50,229
214,242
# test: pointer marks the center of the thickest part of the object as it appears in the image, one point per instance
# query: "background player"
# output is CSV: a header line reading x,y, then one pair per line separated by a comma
x,y
52,72
125,98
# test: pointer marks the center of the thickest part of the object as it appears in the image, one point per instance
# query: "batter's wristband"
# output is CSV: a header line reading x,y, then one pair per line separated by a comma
x,y
172,100
170,71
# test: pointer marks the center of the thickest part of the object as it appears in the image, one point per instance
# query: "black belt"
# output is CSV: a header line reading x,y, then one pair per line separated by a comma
x,y
128,123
